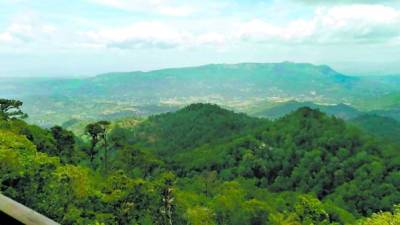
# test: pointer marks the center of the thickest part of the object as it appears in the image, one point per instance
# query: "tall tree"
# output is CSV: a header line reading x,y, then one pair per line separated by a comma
x,y
98,132
93,130
103,135
167,199
65,142
11,109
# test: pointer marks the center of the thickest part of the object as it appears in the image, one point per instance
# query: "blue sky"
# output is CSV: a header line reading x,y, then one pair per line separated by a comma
x,y
86,37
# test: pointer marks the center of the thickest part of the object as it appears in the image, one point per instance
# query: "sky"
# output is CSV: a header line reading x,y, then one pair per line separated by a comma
x,y
62,38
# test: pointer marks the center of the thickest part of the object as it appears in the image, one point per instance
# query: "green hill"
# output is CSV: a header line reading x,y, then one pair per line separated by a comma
x,y
192,126
382,102
237,86
280,109
306,151
380,126
211,166
247,79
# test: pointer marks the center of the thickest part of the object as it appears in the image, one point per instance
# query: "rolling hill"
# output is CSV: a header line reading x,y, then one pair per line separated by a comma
x,y
280,109
236,86
211,164
383,127
192,126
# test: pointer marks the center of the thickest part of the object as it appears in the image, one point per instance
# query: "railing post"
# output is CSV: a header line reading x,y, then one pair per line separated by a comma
x,y
22,213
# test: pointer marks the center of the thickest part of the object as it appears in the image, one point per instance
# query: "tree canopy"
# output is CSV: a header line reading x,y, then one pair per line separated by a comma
x,y
204,165
11,109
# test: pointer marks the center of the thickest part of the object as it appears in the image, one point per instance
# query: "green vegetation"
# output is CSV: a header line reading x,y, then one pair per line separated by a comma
x,y
11,109
278,110
383,127
203,165
193,126
242,87
383,218
381,102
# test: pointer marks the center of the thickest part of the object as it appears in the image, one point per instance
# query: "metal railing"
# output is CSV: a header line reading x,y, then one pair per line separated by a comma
x,y
22,213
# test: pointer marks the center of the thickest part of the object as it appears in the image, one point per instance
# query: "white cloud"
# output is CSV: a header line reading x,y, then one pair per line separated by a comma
x,y
262,31
165,7
6,37
346,1
28,32
357,23
328,25
340,15
177,10
18,33
338,24
211,39
139,35
27,28
153,34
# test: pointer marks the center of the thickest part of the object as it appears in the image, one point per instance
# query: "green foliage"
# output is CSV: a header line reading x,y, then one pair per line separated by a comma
x,y
307,151
383,127
71,194
137,162
382,218
204,165
239,86
381,102
54,142
193,126
97,132
65,142
10,109
280,109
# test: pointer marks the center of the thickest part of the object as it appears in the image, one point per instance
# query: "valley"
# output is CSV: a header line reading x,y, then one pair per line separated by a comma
x,y
246,87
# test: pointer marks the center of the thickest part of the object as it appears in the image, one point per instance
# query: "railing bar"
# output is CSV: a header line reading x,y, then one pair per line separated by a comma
x,y
22,213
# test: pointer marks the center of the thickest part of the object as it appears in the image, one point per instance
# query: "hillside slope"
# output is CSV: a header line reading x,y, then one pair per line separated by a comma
x,y
281,109
213,166
307,151
238,86
383,127
192,126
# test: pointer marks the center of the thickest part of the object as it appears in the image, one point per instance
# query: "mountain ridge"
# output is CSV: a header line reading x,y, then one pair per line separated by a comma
x,y
236,86
322,67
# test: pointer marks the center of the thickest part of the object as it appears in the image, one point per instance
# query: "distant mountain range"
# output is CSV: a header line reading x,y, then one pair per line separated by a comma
x,y
242,87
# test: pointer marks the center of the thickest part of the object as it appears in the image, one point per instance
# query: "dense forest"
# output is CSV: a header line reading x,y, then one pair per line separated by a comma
x,y
202,165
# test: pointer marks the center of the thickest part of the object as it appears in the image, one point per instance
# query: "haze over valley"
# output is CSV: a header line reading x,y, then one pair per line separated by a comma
x,y
254,88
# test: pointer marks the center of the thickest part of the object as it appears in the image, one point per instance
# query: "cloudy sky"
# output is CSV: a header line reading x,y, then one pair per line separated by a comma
x,y
87,37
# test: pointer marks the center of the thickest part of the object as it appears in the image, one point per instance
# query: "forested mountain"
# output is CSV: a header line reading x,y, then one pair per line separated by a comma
x,y
202,165
281,109
219,166
384,127
387,101
193,126
237,86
